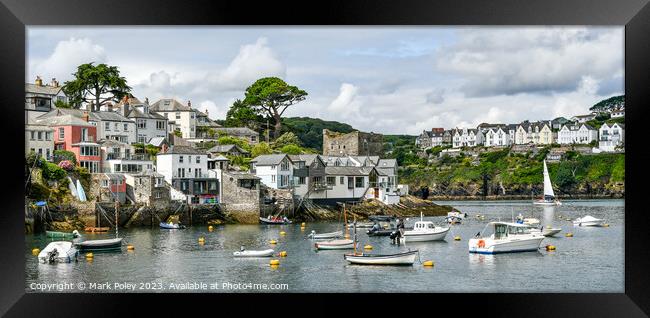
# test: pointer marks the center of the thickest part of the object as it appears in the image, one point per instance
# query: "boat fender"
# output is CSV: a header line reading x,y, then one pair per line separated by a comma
x,y
283,233
457,238
550,247
569,235
89,255
130,247
481,243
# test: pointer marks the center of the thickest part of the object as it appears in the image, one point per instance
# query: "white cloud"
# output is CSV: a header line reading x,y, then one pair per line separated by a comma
x,y
346,102
214,111
252,62
65,58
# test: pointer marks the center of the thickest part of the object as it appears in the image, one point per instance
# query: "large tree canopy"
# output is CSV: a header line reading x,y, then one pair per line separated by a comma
x,y
95,85
242,115
272,96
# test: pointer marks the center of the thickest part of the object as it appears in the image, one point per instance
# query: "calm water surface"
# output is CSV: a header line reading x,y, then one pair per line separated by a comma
x,y
591,261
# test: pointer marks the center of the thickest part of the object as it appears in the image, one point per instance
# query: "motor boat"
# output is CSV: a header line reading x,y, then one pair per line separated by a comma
x,y
58,252
274,220
335,245
588,221
546,231
549,196
457,214
505,237
406,258
379,232
453,219
424,231
361,225
331,235
171,226
253,253
381,218
99,244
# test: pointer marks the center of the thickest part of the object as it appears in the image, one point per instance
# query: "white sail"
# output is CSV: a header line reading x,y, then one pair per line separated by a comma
x,y
548,188
73,189
81,192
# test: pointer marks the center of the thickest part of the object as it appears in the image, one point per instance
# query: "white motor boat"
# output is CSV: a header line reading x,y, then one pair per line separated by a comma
x,y
546,231
406,258
549,196
588,221
321,236
424,231
58,252
505,237
253,253
344,244
457,214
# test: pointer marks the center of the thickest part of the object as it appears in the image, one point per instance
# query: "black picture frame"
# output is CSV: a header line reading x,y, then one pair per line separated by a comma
x,y
15,15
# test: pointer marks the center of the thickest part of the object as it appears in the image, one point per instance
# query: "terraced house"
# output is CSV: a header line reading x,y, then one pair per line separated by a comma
x,y
149,124
110,124
467,137
40,98
577,134
180,117
186,169
78,136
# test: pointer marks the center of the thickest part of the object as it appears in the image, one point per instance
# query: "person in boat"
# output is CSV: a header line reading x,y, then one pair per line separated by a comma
x,y
241,248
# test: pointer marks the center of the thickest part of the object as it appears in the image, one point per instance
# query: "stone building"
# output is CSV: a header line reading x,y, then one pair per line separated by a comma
x,y
240,195
149,188
355,143
108,187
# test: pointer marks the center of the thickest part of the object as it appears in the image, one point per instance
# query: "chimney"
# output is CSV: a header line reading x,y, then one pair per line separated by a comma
x,y
54,83
206,113
109,106
38,81
125,105
145,107
86,116
189,104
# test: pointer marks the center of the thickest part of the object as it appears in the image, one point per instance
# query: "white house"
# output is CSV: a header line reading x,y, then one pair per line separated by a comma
x,y
583,118
119,157
496,137
149,124
611,136
39,139
275,171
577,134
180,117
467,137
618,113
349,183
40,98
186,168
539,133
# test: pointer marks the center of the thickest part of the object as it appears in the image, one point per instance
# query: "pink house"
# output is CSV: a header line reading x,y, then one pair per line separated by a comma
x,y
78,136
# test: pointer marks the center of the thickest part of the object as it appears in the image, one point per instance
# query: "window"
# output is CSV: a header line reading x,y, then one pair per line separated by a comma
x,y
358,182
47,152
272,178
48,136
284,166
107,126
104,183
178,115
159,182
331,181
301,180
142,139
89,151
198,159
158,195
117,168
117,127
178,174
160,125
253,138
350,182
273,167
84,134
40,135
342,180
141,124
32,133
126,127
61,133
180,159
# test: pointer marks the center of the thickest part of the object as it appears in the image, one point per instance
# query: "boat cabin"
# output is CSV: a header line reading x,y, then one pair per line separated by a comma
x,y
501,230
423,225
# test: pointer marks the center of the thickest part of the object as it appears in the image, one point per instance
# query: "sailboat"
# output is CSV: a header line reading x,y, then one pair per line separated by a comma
x,y
80,192
549,196
341,244
404,258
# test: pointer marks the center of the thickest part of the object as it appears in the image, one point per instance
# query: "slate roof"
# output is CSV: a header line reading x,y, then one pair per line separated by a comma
x,y
183,150
148,172
226,148
44,89
387,163
63,120
348,171
240,175
112,143
268,160
92,116
169,105
237,131
307,158
136,113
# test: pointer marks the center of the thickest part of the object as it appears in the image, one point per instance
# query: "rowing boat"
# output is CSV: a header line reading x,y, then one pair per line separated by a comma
x,y
406,258
253,253
99,244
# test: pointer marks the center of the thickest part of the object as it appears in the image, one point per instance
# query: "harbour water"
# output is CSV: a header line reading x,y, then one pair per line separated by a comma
x,y
173,260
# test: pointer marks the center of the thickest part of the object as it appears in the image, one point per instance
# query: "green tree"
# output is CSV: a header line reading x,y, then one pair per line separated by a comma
x,y
261,148
291,149
287,138
272,96
97,85
241,114
62,104
229,140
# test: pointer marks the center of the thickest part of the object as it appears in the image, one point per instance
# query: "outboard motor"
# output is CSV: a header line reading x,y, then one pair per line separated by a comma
x,y
52,256
395,236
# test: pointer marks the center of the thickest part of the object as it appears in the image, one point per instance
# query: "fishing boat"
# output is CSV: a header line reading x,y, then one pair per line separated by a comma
x,y
340,244
406,258
588,221
58,252
424,231
253,253
92,229
505,237
274,220
171,226
99,244
549,196
313,235
64,235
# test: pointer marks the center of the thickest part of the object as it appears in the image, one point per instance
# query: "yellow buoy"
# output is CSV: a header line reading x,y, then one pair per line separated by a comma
x,y
347,236
302,224
368,247
36,250
302,228
273,242
283,254
130,247
569,235
89,255
605,225
550,247
457,238
283,233
427,263
274,262
210,228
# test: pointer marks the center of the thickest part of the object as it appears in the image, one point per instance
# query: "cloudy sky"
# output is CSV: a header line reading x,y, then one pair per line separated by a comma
x,y
394,80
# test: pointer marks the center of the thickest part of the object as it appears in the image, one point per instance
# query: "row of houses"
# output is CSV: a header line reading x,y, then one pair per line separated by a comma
x,y
609,137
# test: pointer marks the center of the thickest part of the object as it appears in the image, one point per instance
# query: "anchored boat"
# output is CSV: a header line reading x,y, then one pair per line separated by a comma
x,y
313,235
171,226
341,244
273,220
58,252
549,196
63,235
424,231
505,237
253,253
588,221
406,258
89,245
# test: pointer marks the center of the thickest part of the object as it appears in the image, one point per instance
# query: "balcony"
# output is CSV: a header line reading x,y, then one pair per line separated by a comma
x,y
191,176
119,156
301,172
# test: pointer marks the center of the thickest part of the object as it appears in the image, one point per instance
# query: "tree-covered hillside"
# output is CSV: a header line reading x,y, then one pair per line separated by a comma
x,y
609,104
310,130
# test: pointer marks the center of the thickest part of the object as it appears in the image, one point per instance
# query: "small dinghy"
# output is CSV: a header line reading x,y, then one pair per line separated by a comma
x,y
313,235
406,258
274,220
453,219
335,245
171,226
382,232
588,221
99,244
58,252
253,253
362,225
92,229
63,235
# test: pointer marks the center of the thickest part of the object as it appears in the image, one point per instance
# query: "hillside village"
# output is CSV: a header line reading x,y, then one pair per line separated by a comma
x,y
167,152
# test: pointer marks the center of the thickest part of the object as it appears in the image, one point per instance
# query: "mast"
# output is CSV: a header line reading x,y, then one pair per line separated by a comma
x,y
345,223
354,242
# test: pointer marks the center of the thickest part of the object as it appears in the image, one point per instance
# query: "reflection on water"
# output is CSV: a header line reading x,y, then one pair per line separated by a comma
x,y
175,256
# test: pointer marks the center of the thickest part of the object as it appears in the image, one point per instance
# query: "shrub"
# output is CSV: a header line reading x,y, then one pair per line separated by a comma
x,y
66,165
229,140
261,149
291,149
53,172
60,155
